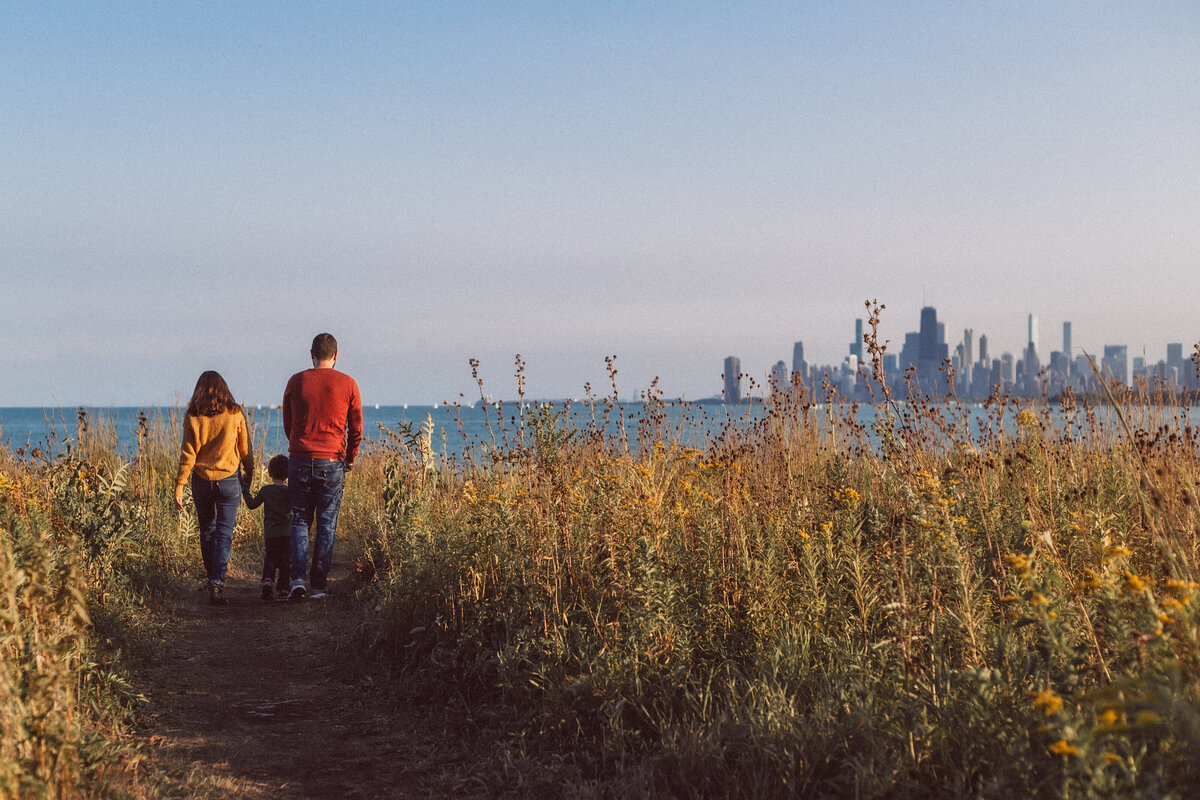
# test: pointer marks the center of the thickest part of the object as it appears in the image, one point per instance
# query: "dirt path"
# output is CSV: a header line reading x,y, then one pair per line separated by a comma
x,y
254,700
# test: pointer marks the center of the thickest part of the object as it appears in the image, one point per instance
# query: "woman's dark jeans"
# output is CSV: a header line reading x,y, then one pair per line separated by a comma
x,y
216,511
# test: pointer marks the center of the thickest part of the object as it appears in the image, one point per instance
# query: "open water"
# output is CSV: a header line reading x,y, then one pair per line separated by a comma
x,y
457,430
453,430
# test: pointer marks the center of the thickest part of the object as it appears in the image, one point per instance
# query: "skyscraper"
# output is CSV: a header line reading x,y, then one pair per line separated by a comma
x,y
779,377
733,379
798,362
1115,364
1175,365
928,347
799,365
932,350
856,347
1031,365
1033,332
1067,339
910,352
968,356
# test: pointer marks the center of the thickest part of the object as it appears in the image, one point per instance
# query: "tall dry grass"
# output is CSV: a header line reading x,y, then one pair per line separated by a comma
x,y
805,606
91,548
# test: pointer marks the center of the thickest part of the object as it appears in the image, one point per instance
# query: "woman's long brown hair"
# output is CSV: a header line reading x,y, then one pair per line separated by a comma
x,y
212,396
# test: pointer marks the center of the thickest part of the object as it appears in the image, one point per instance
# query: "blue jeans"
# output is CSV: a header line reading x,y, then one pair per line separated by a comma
x,y
216,512
315,488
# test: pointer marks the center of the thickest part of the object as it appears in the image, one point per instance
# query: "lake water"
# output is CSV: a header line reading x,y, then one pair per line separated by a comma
x,y
454,430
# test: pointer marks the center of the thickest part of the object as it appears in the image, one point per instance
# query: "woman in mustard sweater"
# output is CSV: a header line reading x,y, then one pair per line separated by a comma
x,y
215,442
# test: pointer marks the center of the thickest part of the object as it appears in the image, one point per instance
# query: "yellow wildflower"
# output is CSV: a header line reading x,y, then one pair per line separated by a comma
x,y
1112,758
1148,718
845,497
1108,717
1019,562
1048,702
1064,748
1117,551
1039,599
1133,583
1091,579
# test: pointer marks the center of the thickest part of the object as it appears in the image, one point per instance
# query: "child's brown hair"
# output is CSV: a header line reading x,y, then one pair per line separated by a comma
x,y
277,467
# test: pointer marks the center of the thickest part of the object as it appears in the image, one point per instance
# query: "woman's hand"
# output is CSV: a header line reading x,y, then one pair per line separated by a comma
x,y
179,498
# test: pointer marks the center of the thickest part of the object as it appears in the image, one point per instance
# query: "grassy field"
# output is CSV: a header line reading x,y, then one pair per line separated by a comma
x,y
87,548
786,610
1008,611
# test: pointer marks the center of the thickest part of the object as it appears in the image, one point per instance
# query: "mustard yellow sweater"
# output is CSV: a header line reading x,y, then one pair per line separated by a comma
x,y
214,446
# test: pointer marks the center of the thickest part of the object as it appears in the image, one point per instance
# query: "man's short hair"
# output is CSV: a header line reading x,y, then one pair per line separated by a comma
x,y
324,346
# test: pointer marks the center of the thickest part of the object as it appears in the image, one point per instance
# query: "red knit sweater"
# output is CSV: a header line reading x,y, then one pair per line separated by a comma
x,y
322,415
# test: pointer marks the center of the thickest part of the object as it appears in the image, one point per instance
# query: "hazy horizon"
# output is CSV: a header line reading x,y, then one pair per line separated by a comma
x,y
206,186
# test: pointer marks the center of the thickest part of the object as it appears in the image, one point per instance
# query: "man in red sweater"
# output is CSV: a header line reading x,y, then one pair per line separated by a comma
x,y
322,418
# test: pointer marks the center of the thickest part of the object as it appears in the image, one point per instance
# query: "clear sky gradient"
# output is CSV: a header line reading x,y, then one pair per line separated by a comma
x,y
190,186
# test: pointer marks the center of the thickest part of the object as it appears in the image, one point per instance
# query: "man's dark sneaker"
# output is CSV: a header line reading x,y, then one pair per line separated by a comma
x,y
268,590
216,594
297,593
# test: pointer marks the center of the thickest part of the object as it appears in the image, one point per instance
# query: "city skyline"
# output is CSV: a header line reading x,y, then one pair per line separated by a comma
x,y
1036,369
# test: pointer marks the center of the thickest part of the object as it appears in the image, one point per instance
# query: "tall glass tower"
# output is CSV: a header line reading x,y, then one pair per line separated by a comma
x,y
733,380
799,365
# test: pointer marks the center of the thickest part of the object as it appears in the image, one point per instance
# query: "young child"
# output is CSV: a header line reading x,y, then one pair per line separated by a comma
x,y
277,526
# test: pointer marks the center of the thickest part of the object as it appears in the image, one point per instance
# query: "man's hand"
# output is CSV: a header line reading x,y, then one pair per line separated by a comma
x,y
179,498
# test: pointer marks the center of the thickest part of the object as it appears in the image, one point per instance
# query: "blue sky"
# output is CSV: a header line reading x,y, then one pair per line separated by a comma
x,y
206,186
